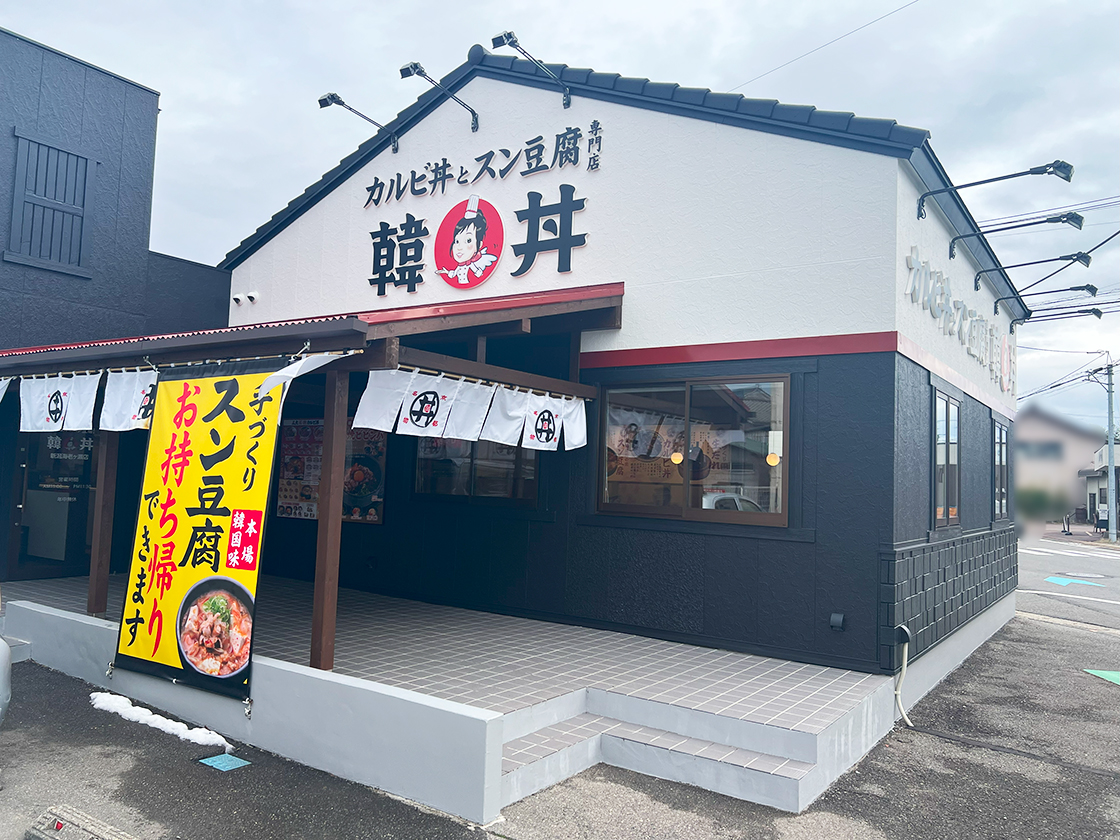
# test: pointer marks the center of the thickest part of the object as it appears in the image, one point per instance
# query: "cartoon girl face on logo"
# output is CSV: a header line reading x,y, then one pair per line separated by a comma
x,y
469,243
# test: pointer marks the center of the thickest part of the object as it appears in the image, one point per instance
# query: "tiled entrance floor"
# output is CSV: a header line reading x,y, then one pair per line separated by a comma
x,y
504,664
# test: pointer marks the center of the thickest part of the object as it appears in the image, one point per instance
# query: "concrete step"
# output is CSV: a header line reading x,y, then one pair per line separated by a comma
x,y
21,650
556,752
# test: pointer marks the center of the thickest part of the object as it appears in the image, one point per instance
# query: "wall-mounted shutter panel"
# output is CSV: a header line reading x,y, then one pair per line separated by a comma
x,y
48,216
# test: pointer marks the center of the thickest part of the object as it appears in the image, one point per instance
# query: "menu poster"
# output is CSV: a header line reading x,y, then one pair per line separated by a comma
x,y
301,465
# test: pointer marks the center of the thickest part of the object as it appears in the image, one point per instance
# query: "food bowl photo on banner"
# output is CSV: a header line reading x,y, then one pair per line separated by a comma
x,y
214,630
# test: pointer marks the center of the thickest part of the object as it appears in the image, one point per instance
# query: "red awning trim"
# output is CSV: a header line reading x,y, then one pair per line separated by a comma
x,y
817,345
463,307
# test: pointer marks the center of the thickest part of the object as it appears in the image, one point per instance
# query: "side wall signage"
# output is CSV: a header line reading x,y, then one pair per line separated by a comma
x,y
985,341
189,605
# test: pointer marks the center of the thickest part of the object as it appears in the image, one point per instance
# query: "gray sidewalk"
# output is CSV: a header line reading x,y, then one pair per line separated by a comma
x,y
1051,734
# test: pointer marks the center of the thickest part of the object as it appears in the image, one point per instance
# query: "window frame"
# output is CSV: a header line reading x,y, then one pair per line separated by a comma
x,y
686,513
1001,472
470,498
14,253
947,520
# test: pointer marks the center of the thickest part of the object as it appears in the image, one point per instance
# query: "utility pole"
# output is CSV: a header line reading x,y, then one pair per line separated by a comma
x,y
1111,474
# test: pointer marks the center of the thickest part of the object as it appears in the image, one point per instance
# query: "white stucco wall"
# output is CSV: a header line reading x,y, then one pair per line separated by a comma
x,y
967,351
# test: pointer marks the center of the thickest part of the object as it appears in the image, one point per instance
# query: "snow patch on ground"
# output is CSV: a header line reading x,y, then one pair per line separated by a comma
x,y
123,706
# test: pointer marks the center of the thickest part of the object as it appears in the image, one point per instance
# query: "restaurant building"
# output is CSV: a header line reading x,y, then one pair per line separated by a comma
x,y
760,423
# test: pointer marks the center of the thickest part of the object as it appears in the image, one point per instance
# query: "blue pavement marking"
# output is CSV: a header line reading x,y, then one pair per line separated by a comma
x,y
225,762
1062,581
1111,676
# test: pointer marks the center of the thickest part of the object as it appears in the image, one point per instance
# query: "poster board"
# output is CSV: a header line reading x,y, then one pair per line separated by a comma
x,y
301,459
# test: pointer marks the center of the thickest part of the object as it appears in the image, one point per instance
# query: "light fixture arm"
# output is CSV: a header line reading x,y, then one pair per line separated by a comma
x,y
1091,289
1080,257
414,68
334,99
507,38
1059,167
1074,219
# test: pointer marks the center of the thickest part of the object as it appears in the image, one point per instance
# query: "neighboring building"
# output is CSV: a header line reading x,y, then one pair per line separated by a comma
x,y
1048,450
77,155
1096,485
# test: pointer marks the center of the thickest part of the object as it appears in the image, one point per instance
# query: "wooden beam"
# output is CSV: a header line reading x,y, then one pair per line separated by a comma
x,y
378,355
609,318
575,344
464,367
325,607
104,497
465,320
479,349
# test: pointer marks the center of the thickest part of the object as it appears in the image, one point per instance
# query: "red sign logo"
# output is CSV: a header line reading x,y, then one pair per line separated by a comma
x,y
469,243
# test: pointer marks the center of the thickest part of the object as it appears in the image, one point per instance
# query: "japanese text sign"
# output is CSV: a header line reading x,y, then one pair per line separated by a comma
x,y
189,605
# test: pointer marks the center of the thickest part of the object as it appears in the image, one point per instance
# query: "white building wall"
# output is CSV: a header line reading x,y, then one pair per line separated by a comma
x,y
966,351
720,234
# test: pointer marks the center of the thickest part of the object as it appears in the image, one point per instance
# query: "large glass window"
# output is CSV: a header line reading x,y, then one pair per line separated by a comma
x,y
478,469
1000,471
947,474
698,450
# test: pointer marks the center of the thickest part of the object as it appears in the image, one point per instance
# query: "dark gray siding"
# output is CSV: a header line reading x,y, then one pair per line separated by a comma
x,y
935,580
112,122
184,295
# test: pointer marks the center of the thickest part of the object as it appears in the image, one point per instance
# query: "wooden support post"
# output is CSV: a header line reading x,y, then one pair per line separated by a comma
x,y
479,349
575,341
105,493
327,548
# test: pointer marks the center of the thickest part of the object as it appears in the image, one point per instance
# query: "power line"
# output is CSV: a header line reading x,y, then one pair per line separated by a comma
x,y
1052,350
822,46
1062,381
1071,262
1112,200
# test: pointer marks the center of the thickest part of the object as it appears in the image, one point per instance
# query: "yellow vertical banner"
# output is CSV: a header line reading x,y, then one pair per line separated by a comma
x,y
190,601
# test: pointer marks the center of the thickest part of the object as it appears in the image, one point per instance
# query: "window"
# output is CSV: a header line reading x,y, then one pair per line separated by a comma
x,y
703,450
946,472
478,469
49,208
1040,450
1000,472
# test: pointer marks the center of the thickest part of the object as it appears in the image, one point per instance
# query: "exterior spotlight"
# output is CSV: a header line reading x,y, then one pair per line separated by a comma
x,y
1072,219
1059,167
414,68
1091,289
328,99
1080,257
508,39
773,459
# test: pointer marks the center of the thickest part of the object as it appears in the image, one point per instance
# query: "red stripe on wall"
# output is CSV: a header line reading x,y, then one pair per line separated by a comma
x,y
817,345
409,313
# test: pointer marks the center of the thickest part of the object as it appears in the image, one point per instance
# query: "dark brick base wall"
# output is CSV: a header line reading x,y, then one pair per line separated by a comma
x,y
935,588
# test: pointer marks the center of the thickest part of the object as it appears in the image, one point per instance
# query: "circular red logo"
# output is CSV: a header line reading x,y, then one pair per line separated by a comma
x,y
469,243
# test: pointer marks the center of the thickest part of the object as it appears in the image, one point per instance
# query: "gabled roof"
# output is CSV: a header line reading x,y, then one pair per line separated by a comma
x,y
839,128
805,122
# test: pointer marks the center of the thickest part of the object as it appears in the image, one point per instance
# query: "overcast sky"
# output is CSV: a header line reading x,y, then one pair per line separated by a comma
x,y
1002,86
